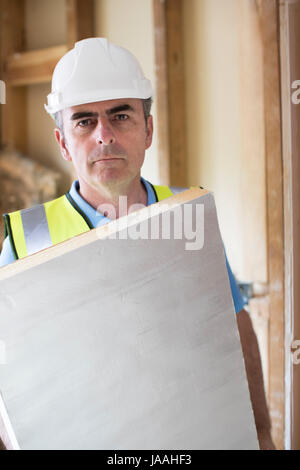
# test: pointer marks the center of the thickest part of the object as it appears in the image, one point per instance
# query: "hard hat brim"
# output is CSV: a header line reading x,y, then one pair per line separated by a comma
x,y
55,104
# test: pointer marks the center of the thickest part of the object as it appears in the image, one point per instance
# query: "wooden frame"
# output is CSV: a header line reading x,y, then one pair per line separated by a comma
x,y
290,71
269,15
13,125
80,23
161,81
31,67
20,67
170,94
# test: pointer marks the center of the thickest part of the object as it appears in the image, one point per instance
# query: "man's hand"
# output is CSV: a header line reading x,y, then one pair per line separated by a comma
x,y
255,380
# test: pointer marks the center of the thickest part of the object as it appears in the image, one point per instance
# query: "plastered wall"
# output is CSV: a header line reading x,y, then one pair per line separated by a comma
x,y
225,122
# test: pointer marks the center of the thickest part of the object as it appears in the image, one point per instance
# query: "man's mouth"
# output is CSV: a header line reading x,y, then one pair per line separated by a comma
x,y
107,159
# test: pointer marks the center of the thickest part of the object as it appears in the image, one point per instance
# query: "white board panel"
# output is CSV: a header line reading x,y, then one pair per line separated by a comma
x,y
126,344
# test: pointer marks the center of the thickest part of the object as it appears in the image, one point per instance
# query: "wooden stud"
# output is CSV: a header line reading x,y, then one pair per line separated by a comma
x,y
275,238
170,91
290,71
14,122
177,137
161,98
12,26
31,67
80,20
13,113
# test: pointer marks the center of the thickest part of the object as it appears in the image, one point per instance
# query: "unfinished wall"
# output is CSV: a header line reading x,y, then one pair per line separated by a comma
x,y
45,27
224,115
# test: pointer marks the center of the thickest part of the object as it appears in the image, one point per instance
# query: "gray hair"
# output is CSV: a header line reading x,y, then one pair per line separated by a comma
x,y
59,121
147,103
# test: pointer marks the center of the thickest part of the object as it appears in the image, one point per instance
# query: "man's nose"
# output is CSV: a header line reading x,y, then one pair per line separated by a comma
x,y
104,133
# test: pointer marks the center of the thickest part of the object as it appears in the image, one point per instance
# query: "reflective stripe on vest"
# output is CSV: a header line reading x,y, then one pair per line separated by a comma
x,y
39,227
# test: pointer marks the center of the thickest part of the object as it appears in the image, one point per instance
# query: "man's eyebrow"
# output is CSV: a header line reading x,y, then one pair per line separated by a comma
x,y
89,114
83,114
118,109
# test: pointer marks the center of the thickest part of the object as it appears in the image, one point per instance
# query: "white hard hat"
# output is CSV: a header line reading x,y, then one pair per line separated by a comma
x,y
96,70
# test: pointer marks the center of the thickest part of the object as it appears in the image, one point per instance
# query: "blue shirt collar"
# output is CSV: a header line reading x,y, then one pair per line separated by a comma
x,y
97,219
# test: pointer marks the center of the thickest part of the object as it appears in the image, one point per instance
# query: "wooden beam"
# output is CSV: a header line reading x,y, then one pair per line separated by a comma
x,y
170,91
290,71
177,134
12,32
80,20
30,67
275,238
161,98
12,124
12,40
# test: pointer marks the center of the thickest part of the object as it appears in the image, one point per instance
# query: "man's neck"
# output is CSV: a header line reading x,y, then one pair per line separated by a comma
x,y
114,202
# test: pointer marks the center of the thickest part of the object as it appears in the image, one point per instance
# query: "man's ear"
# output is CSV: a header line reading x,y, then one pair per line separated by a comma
x,y
62,144
149,131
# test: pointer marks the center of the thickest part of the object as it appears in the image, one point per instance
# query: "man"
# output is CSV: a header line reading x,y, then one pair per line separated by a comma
x,y
101,103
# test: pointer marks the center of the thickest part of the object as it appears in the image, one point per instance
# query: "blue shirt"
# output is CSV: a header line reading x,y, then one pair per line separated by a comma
x,y
98,219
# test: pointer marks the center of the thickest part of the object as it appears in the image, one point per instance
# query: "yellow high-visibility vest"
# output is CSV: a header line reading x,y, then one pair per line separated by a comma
x,y
31,230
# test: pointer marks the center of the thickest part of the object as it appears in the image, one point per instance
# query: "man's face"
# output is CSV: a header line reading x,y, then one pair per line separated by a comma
x,y
106,141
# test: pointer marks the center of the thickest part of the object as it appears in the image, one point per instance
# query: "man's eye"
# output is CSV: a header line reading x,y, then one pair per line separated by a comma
x,y
121,117
84,123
